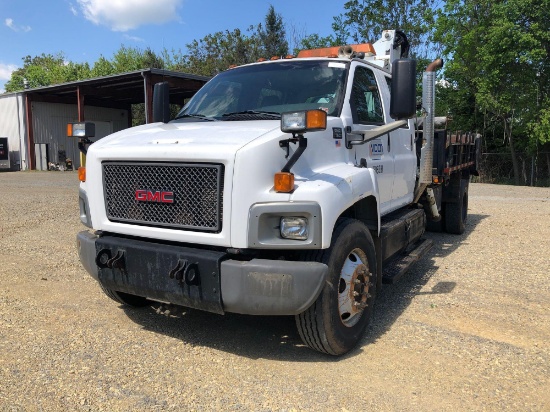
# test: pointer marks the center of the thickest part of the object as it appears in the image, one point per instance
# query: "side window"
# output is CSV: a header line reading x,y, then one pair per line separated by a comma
x,y
366,103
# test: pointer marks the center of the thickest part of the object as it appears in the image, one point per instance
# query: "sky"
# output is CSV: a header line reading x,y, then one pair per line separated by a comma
x,y
86,29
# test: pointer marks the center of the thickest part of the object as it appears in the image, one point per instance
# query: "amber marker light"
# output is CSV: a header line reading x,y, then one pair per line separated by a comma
x,y
82,174
316,120
284,182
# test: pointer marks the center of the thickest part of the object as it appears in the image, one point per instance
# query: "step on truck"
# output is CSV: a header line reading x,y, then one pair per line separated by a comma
x,y
291,186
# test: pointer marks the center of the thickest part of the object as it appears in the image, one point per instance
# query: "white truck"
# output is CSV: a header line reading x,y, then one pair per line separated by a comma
x,y
292,186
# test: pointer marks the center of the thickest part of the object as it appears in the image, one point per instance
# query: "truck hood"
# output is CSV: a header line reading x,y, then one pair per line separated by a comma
x,y
173,139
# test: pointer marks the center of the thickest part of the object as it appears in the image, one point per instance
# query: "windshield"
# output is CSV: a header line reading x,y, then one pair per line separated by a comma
x,y
265,91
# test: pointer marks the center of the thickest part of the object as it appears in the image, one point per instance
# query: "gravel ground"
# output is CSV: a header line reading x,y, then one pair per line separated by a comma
x,y
467,329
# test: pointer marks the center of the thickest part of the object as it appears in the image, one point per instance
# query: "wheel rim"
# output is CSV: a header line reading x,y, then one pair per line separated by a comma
x,y
353,287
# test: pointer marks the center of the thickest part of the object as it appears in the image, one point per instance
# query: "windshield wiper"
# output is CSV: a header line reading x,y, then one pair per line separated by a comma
x,y
196,116
258,112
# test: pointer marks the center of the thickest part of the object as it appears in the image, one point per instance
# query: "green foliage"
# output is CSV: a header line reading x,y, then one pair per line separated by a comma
x,y
216,52
339,37
314,41
365,20
272,35
500,66
540,128
103,67
499,55
45,70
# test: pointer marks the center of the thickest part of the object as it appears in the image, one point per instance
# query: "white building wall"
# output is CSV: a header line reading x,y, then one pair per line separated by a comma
x,y
13,126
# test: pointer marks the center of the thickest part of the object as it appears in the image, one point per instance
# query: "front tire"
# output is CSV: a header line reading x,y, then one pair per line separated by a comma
x,y
335,323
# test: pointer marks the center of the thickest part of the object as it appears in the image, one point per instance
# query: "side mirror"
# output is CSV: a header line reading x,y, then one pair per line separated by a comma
x,y
161,103
82,130
403,89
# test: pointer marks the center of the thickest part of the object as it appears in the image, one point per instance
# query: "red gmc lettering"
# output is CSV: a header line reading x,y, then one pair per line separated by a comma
x,y
167,197
141,195
153,197
158,197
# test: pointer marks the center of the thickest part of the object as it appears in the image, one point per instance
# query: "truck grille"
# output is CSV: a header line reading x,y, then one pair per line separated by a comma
x,y
177,195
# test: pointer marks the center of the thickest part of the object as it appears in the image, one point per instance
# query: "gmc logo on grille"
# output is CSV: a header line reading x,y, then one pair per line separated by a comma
x,y
158,196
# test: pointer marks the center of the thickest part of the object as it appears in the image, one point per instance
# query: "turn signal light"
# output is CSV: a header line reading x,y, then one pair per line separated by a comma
x,y
284,182
82,174
316,120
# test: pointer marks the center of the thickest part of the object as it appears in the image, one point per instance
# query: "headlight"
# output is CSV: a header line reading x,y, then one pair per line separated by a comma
x,y
294,228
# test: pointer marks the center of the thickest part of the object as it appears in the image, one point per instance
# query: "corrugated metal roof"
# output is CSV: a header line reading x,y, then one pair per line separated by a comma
x,y
124,88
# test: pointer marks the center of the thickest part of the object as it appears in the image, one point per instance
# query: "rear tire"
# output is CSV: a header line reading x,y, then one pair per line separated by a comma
x,y
456,213
335,323
125,298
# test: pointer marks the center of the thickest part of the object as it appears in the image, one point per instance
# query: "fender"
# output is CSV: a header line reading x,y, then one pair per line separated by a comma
x,y
336,190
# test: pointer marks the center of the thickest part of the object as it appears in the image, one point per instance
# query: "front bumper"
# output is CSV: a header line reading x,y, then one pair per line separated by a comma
x,y
199,278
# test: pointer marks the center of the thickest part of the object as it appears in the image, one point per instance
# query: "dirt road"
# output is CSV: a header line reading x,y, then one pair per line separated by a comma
x,y
467,329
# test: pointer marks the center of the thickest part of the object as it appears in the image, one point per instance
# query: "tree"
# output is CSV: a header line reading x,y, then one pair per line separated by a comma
x,y
339,37
46,70
216,52
500,65
364,21
102,67
272,36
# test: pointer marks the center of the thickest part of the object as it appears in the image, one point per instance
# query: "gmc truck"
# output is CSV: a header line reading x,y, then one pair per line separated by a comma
x,y
291,186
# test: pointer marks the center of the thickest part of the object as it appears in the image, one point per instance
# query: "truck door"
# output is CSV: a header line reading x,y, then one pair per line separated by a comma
x,y
367,109
402,148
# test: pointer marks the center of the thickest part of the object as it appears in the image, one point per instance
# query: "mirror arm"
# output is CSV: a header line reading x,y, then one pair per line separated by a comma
x,y
302,145
82,145
372,134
